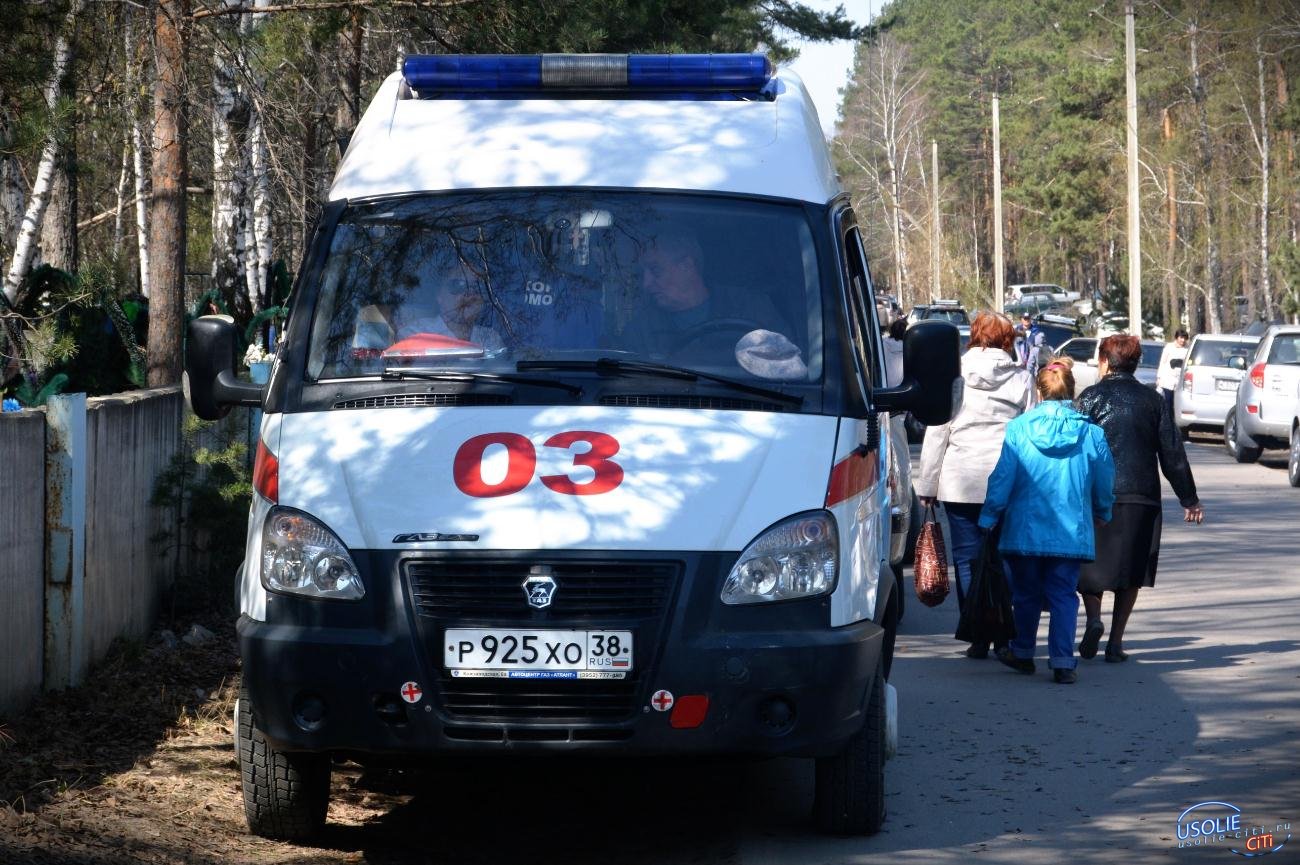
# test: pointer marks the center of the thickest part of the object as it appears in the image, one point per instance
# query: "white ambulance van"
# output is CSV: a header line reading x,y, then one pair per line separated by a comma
x,y
573,443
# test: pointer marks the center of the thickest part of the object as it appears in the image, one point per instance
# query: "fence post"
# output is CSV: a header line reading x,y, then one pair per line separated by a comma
x,y
65,540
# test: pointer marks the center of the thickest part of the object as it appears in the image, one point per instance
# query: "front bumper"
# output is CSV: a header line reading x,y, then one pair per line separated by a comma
x,y
326,676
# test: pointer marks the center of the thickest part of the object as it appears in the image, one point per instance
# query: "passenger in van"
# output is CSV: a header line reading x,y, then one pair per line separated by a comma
x,y
683,307
446,301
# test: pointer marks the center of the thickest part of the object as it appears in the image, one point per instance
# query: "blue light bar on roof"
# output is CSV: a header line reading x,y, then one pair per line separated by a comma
x,y
489,73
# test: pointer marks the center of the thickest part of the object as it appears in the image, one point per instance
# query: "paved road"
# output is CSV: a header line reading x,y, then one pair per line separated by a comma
x,y
994,764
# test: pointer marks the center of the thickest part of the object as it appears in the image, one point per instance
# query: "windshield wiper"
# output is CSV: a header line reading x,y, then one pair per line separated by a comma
x,y
613,366
397,374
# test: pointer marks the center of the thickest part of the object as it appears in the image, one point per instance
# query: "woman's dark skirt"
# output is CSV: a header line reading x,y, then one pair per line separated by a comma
x,y
1128,550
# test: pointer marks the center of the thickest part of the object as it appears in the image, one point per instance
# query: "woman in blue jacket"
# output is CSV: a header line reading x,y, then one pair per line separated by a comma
x,y
1052,480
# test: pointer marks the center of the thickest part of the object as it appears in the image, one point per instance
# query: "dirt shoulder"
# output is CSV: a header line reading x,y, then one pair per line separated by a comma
x,y
137,766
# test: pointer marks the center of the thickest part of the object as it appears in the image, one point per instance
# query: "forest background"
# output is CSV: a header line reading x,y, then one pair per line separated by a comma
x,y
161,158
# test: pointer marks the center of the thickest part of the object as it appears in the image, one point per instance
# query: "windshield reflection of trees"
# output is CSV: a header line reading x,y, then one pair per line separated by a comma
x,y
557,272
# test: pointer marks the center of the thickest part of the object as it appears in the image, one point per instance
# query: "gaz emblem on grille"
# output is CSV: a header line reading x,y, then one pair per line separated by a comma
x,y
539,587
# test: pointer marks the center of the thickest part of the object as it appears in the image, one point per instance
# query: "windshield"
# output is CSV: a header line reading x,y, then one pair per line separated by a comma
x,y
1207,352
479,282
1285,349
1151,354
955,316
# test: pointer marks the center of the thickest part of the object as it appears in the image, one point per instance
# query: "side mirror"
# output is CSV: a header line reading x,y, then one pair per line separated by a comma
x,y
1237,362
1092,361
209,379
931,367
1176,363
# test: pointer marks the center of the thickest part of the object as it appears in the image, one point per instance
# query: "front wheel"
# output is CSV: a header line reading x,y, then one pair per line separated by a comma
x,y
850,797
285,794
1293,462
1232,441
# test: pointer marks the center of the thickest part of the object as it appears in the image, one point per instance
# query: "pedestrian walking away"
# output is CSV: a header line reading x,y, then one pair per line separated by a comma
x,y
1053,479
958,456
1168,376
1140,430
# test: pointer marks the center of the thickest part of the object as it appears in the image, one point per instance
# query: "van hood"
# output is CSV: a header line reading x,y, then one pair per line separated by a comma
x,y
1055,428
543,477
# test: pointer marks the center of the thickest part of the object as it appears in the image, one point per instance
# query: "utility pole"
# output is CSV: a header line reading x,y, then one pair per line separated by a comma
x,y
999,273
1134,212
934,219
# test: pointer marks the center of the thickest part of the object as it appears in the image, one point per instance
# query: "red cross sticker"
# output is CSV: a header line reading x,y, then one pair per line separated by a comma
x,y
411,692
662,701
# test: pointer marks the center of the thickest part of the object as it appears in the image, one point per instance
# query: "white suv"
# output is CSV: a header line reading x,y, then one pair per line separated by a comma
x,y
1266,402
1213,369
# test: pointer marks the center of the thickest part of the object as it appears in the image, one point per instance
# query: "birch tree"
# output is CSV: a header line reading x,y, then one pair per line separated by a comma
x,y
138,153
27,238
229,162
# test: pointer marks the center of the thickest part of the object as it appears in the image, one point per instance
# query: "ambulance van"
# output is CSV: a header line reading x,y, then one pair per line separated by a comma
x,y
573,441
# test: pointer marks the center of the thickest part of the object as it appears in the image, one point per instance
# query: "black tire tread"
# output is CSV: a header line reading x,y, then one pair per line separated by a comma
x,y
286,794
1239,452
1293,459
850,786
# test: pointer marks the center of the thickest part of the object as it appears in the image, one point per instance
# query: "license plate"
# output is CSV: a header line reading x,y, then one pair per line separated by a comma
x,y
1225,384
502,653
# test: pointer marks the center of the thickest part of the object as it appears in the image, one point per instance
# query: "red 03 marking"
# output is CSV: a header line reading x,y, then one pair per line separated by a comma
x,y
521,464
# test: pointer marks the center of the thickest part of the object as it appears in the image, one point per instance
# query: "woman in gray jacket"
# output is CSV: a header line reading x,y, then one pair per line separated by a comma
x,y
958,457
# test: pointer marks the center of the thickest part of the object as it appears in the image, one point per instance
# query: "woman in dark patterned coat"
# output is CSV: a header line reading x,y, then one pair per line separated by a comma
x,y
1141,435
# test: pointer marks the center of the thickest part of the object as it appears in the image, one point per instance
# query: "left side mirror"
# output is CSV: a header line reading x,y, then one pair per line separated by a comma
x,y
931,365
209,379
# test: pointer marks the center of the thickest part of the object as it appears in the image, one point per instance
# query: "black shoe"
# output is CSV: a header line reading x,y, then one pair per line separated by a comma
x,y
977,651
1091,637
1115,655
1020,665
1062,676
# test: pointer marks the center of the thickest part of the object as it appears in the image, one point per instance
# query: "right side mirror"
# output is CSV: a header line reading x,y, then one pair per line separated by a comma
x,y
1176,363
1237,362
209,379
931,367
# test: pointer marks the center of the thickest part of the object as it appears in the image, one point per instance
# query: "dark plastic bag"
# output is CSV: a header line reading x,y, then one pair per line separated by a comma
x,y
987,617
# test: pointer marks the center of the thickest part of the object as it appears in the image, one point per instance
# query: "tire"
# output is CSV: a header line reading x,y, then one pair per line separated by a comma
x,y
1293,461
850,797
899,594
285,794
1232,441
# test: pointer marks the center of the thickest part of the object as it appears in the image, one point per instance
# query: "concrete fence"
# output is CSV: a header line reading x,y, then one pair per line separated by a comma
x,y
81,564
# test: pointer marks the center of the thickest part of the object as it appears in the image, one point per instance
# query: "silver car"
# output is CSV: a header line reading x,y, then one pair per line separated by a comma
x,y
1266,401
1213,369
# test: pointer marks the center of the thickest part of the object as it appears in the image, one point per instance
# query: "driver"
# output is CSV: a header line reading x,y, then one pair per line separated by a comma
x,y
456,309
682,307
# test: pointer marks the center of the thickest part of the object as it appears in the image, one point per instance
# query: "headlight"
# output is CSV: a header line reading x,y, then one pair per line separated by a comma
x,y
302,557
796,558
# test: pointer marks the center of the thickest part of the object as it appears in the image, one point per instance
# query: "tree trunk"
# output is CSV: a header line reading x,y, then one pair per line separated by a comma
x,y
229,164
1213,263
12,197
123,181
1172,318
167,229
257,202
139,169
28,236
1265,284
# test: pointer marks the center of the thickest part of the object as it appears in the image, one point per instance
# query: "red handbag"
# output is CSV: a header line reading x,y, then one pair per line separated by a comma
x,y
931,562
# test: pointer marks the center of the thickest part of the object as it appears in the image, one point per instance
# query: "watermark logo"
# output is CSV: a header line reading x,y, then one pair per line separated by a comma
x,y
1221,824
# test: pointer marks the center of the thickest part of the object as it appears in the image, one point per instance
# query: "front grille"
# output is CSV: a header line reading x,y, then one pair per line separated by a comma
x,y
689,401
604,590
424,400
590,594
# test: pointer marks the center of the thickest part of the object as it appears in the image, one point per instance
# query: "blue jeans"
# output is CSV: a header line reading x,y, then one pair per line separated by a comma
x,y
964,536
1045,583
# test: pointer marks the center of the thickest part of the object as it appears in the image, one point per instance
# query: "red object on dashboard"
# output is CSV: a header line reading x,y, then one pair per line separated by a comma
x,y
432,345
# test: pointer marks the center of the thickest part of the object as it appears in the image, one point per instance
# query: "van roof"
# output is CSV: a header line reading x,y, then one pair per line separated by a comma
x,y
760,147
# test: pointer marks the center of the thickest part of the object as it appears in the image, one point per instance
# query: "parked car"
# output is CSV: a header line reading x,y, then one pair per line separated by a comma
x,y
941,310
1266,401
1213,370
1032,304
1057,328
1020,290
1085,350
